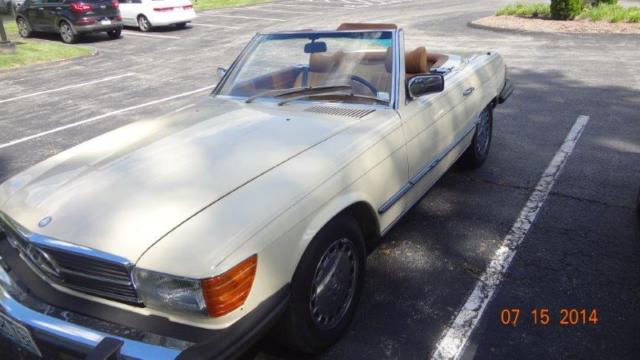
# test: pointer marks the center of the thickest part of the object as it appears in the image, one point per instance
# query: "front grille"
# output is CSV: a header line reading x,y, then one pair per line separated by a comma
x,y
94,276
80,271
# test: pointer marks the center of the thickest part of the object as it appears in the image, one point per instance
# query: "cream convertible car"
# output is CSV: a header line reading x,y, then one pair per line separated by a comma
x,y
190,235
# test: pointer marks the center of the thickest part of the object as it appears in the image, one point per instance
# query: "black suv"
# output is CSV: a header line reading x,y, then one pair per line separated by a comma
x,y
70,18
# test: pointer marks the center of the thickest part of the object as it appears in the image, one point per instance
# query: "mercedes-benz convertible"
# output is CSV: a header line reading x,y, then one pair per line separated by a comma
x,y
193,234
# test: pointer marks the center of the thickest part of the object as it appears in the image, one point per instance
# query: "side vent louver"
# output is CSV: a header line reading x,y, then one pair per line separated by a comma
x,y
337,111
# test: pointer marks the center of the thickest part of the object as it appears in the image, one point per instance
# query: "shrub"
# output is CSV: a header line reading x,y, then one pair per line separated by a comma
x,y
536,10
612,13
565,9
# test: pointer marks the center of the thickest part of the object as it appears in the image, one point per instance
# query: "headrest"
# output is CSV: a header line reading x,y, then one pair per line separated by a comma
x,y
322,63
416,61
366,26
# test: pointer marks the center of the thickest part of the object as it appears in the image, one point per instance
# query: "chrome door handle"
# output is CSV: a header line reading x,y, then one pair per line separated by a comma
x,y
58,8
468,91
40,9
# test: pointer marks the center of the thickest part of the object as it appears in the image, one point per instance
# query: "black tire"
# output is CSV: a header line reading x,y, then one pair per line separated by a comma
x,y
181,25
114,34
144,24
478,150
24,28
303,327
67,33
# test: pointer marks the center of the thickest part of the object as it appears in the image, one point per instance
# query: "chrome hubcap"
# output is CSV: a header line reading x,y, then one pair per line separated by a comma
x,y
334,284
483,133
65,31
144,25
22,26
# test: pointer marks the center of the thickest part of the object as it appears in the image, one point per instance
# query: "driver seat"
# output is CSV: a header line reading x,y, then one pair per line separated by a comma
x,y
320,68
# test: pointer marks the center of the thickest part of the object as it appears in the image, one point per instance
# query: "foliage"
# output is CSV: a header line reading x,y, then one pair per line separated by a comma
x,y
565,9
215,4
536,10
612,13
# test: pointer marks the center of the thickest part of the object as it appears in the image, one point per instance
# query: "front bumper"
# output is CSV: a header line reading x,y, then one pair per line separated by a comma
x,y
49,330
507,89
79,336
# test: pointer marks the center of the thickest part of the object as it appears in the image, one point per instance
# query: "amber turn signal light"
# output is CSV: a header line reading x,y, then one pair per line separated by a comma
x,y
228,291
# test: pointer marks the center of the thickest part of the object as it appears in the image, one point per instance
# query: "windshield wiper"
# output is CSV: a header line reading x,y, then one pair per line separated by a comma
x,y
334,96
300,91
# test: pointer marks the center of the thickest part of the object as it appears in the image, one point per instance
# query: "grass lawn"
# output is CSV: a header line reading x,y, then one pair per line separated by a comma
x,y
215,4
604,12
32,51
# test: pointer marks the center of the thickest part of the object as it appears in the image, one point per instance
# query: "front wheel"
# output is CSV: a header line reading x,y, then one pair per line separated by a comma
x,y
478,151
114,34
24,29
325,288
143,23
67,34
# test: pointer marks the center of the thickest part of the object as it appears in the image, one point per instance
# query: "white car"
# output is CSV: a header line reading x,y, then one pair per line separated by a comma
x,y
191,235
146,14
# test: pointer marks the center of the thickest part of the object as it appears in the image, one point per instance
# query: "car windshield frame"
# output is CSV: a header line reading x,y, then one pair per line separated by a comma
x,y
259,38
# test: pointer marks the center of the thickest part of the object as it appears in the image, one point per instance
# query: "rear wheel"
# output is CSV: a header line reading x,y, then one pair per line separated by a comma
x,y
114,34
143,23
24,29
67,34
478,151
181,25
325,288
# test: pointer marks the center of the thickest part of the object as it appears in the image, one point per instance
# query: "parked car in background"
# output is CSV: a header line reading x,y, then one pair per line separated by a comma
x,y
145,14
10,6
70,18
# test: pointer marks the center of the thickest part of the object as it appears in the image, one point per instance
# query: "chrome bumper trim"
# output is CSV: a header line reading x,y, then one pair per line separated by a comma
x,y
71,335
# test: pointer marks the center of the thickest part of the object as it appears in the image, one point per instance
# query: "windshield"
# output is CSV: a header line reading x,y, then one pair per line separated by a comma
x,y
354,64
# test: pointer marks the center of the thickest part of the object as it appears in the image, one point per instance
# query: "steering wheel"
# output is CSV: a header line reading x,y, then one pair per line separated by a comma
x,y
366,84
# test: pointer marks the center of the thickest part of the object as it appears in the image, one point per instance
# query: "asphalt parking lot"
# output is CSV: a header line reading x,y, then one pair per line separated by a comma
x,y
581,252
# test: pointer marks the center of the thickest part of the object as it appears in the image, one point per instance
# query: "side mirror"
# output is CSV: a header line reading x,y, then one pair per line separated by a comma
x,y
425,84
221,72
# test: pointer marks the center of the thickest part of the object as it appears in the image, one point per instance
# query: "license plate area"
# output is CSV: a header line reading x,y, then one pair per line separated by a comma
x,y
105,22
18,334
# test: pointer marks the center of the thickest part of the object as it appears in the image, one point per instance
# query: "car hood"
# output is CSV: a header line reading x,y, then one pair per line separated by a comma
x,y
123,191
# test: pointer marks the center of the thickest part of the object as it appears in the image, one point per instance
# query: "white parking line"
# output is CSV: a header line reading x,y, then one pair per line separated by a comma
x,y
134,33
99,117
453,341
216,26
243,17
67,87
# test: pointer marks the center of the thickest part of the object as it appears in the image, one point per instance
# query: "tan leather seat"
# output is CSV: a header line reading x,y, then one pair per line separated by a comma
x,y
419,61
320,67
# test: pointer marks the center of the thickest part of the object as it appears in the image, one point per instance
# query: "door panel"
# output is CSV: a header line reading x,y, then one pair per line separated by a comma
x,y
35,13
52,8
431,124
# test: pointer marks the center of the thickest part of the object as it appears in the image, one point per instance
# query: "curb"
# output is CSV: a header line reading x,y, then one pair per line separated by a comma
x,y
473,25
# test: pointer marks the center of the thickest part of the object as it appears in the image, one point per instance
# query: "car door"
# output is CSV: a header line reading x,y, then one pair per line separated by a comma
x,y
51,13
432,124
35,14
